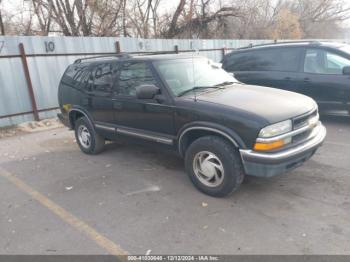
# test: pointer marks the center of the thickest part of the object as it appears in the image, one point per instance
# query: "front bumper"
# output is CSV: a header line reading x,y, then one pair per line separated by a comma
x,y
272,164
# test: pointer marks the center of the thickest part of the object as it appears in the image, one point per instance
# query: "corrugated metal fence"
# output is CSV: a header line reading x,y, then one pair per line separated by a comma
x,y
29,75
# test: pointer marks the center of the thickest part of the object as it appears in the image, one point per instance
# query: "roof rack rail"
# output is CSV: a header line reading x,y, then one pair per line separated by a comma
x,y
282,42
154,53
121,55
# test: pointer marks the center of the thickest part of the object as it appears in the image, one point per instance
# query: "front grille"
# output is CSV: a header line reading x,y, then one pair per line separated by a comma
x,y
309,120
302,121
301,137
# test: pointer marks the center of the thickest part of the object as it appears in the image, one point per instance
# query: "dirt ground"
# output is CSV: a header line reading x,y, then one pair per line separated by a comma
x,y
30,127
57,200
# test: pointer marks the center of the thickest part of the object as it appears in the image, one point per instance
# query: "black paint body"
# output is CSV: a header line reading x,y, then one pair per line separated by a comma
x,y
241,110
237,112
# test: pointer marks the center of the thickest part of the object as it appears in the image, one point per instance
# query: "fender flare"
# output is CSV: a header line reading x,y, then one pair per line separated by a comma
x,y
229,134
83,112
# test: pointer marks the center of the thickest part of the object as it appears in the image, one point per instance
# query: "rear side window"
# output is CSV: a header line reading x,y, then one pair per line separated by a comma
x,y
132,75
81,77
276,59
103,78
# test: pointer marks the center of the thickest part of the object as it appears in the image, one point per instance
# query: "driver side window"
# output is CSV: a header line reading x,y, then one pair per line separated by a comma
x,y
319,61
132,75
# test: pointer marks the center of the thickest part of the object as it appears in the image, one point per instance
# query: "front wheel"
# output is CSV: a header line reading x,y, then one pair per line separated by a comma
x,y
214,166
88,140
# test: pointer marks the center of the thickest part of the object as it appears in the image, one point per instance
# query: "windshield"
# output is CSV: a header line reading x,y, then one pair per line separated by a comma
x,y
346,49
184,75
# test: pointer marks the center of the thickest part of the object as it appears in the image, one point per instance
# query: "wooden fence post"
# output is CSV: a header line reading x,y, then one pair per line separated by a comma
x,y
176,47
29,81
117,47
223,52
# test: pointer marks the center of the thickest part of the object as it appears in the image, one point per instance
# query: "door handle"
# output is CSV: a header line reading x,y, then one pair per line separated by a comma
x,y
288,78
306,79
117,105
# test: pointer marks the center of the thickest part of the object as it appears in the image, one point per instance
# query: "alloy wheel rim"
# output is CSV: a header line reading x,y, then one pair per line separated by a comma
x,y
208,169
84,136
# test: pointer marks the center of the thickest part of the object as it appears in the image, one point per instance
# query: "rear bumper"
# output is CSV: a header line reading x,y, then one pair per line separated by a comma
x,y
272,164
64,119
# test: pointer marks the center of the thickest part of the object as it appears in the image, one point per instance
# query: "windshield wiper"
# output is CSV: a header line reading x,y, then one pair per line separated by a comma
x,y
226,83
196,88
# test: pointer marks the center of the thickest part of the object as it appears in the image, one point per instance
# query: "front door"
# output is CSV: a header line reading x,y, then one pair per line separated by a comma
x,y
323,80
149,117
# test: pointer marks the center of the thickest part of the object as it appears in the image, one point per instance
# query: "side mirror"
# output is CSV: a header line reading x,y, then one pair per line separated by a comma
x,y
147,91
346,70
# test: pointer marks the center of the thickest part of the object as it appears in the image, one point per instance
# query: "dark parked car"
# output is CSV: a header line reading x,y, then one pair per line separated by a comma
x,y
190,106
318,70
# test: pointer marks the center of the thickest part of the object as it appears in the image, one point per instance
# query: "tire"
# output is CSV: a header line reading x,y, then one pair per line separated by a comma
x,y
214,166
92,145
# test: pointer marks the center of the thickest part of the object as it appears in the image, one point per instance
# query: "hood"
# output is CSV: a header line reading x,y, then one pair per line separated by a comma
x,y
274,105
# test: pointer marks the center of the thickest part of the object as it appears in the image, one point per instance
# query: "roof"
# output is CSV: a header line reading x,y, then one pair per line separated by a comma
x,y
294,44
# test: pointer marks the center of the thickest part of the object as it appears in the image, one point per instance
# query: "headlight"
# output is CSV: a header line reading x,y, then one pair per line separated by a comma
x,y
276,129
272,131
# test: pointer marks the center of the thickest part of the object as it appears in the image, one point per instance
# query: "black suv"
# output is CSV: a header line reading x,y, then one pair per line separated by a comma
x,y
189,105
320,70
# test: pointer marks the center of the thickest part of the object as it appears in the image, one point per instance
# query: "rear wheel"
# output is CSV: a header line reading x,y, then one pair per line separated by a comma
x,y
88,140
214,166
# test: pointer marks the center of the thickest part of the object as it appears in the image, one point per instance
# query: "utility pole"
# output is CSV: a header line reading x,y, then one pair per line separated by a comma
x,y
2,28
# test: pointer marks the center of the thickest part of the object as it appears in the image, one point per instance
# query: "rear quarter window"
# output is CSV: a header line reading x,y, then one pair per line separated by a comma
x,y
75,75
